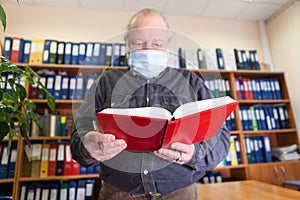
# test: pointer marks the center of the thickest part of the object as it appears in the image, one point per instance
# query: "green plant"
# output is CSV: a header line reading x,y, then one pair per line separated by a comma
x,y
15,107
14,104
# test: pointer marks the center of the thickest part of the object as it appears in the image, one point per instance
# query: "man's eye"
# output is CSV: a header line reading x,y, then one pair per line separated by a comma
x,y
139,44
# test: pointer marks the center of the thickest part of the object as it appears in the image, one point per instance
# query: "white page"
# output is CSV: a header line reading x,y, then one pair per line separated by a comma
x,y
198,106
154,112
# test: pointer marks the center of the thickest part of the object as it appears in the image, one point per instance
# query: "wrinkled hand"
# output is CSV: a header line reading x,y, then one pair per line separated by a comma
x,y
102,147
178,152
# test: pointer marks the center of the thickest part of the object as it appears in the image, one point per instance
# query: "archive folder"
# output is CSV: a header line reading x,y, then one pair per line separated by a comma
x,y
146,129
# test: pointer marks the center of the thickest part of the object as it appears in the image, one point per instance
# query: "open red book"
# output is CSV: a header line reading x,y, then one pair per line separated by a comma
x,y
147,129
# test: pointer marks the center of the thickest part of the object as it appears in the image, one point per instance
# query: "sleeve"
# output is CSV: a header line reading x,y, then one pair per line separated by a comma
x,y
82,125
210,153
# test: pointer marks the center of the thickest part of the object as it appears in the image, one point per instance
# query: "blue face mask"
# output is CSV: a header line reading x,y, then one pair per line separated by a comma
x,y
148,63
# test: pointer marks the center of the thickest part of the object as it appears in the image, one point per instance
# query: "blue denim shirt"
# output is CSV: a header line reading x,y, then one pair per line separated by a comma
x,y
139,173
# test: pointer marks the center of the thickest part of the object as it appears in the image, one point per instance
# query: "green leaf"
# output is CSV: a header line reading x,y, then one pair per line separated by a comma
x,y
4,129
37,119
50,98
24,129
51,102
21,91
30,71
1,94
29,103
3,17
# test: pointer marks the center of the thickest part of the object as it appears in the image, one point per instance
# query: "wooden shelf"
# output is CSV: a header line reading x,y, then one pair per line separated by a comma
x,y
10,180
237,172
57,178
58,101
277,101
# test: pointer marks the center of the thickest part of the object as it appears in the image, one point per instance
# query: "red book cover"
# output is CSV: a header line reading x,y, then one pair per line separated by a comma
x,y
149,128
15,50
52,160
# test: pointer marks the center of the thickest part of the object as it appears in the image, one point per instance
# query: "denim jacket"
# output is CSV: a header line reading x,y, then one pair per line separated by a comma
x,y
139,173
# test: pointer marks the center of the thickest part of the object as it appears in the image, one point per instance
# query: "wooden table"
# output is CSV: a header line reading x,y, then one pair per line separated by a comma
x,y
246,190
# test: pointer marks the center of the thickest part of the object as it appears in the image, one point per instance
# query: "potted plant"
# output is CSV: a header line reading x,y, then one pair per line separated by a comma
x,y
15,107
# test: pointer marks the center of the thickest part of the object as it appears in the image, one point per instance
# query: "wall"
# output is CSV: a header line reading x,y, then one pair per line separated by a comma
x,y
284,36
72,24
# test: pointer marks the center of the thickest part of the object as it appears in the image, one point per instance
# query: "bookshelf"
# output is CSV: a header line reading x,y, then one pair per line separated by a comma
x,y
272,172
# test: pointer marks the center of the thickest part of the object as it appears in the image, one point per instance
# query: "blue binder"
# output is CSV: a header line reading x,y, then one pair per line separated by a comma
x,y
91,79
54,191
57,86
78,90
46,52
65,83
12,161
116,54
68,53
7,47
267,149
26,51
4,162
72,86
21,52
72,190
88,189
50,82
82,53
220,59
89,54
75,53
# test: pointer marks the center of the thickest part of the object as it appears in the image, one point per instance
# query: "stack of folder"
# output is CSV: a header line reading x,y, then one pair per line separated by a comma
x,y
286,153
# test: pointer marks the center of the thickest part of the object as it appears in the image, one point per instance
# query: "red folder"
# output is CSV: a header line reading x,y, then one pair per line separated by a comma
x,y
75,167
68,160
190,123
52,160
15,50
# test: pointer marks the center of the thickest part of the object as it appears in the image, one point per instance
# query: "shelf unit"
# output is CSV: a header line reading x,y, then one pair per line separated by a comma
x,y
262,171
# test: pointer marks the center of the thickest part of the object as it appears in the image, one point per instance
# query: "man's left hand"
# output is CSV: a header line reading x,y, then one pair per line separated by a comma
x,y
177,152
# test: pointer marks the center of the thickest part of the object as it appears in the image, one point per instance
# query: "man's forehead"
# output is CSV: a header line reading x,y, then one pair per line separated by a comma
x,y
153,33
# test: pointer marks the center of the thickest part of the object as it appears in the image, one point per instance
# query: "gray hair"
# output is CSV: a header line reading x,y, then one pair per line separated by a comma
x,y
144,12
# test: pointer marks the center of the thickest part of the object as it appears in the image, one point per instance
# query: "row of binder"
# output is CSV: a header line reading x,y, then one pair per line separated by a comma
x,y
53,159
62,86
217,58
63,190
7,160
234,154
264,117
257,88
44,51
218,86
51,51
53,124
258,149
4,83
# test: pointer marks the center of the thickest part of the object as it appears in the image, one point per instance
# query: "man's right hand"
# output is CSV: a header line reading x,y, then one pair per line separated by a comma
x,y
102,147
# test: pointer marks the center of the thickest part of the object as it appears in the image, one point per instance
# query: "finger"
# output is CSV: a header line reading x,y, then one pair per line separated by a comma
x,y
105,138
169,153
163,156
180,147
96,137
107,146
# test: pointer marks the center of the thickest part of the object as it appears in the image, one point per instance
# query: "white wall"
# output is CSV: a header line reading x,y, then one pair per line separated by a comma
x,y
72,24
284,36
